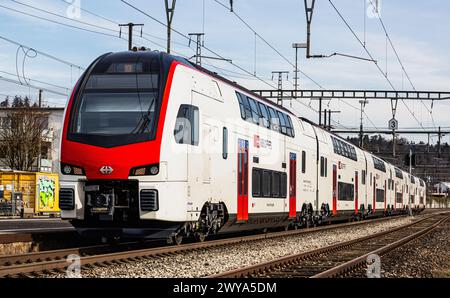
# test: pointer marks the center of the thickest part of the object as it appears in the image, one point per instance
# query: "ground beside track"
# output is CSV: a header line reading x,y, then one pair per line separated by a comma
x,y
426,257
210,261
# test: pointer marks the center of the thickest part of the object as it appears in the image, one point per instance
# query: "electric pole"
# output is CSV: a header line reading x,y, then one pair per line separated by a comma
x,y
309,9
280,85
297,46
130,33
39,161
170,10
328,113
198,52
40,98
410,171
361,132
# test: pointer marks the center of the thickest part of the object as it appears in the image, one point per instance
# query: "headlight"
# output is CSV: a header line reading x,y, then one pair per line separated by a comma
x,y
67,169
145,170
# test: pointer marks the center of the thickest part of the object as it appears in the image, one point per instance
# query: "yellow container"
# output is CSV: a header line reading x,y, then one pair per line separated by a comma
x,y
40,191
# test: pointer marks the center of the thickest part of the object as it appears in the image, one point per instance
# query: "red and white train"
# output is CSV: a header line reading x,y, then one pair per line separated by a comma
x,y
154,145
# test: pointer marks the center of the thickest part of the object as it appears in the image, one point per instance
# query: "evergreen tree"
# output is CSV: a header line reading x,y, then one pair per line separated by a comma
x,y
17,102
26,102
5,103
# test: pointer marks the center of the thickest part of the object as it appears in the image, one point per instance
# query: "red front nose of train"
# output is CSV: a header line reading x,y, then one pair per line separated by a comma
x,y
115,117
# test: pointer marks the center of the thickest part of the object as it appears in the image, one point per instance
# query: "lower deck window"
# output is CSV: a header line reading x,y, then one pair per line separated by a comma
x,y
380,195
346,191
268,184
399,197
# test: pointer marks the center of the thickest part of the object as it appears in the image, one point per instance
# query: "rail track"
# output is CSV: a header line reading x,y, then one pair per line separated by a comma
x,y
339,259
46,262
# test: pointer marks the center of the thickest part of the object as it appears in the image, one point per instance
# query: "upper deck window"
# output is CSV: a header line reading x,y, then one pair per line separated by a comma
x,y
261,114
379,164
398,173
344,149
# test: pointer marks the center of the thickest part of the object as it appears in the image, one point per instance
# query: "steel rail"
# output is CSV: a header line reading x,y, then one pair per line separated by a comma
x,y
362,260
48,261
293,259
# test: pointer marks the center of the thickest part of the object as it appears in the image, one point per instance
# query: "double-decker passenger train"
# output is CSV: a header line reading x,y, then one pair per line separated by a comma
x,y
154,145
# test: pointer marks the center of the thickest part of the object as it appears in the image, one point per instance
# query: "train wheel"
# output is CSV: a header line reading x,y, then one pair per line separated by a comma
x,y
177,239
200,237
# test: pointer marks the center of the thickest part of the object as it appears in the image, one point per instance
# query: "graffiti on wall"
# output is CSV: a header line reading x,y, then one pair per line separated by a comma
x,y
47,193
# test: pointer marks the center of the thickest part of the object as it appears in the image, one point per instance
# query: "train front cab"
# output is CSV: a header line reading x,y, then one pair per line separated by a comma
x,y
114,173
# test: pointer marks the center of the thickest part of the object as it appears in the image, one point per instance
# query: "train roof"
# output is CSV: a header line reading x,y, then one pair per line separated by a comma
x,y
168,58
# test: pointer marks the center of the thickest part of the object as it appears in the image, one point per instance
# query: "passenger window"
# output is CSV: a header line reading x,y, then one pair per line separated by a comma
x,y
255,110
283,185
187,125
290,126
245,106
264,115
322,166
282,123
363,177
274,121
241,105
266,184
303,161
256,183
225,143
275,184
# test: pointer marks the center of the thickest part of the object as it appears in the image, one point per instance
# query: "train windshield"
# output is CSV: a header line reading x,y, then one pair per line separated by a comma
x,y
110,106
118,101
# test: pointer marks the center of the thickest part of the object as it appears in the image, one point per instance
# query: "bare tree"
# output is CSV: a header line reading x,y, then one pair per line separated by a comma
x,y
21,137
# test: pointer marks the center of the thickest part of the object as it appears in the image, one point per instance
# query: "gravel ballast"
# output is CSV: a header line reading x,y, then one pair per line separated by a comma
x,y
426,257
214,260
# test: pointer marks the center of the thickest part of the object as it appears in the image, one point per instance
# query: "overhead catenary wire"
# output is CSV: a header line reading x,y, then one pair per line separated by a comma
x,y
283,56
371,56
202,45
269,44
117,23
399,60
32,86
57,22
42,53
38,81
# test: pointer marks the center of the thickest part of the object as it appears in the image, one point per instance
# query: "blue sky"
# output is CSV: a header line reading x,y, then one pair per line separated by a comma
x,y
419,30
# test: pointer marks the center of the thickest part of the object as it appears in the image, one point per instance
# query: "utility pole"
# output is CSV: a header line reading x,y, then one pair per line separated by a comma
x,y
309,9
198,52
297,46
361,131
170,10
40,98
130,33
40,137
280,85
327,126
320,111
439,142
410,171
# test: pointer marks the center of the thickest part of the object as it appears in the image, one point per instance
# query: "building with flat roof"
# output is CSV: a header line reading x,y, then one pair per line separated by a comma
x,y
49,142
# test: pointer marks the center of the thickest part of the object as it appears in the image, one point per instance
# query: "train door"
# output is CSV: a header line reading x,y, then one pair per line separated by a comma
x,y
292,184
334,189
385,194
374,207
207,145
356,192
242,180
